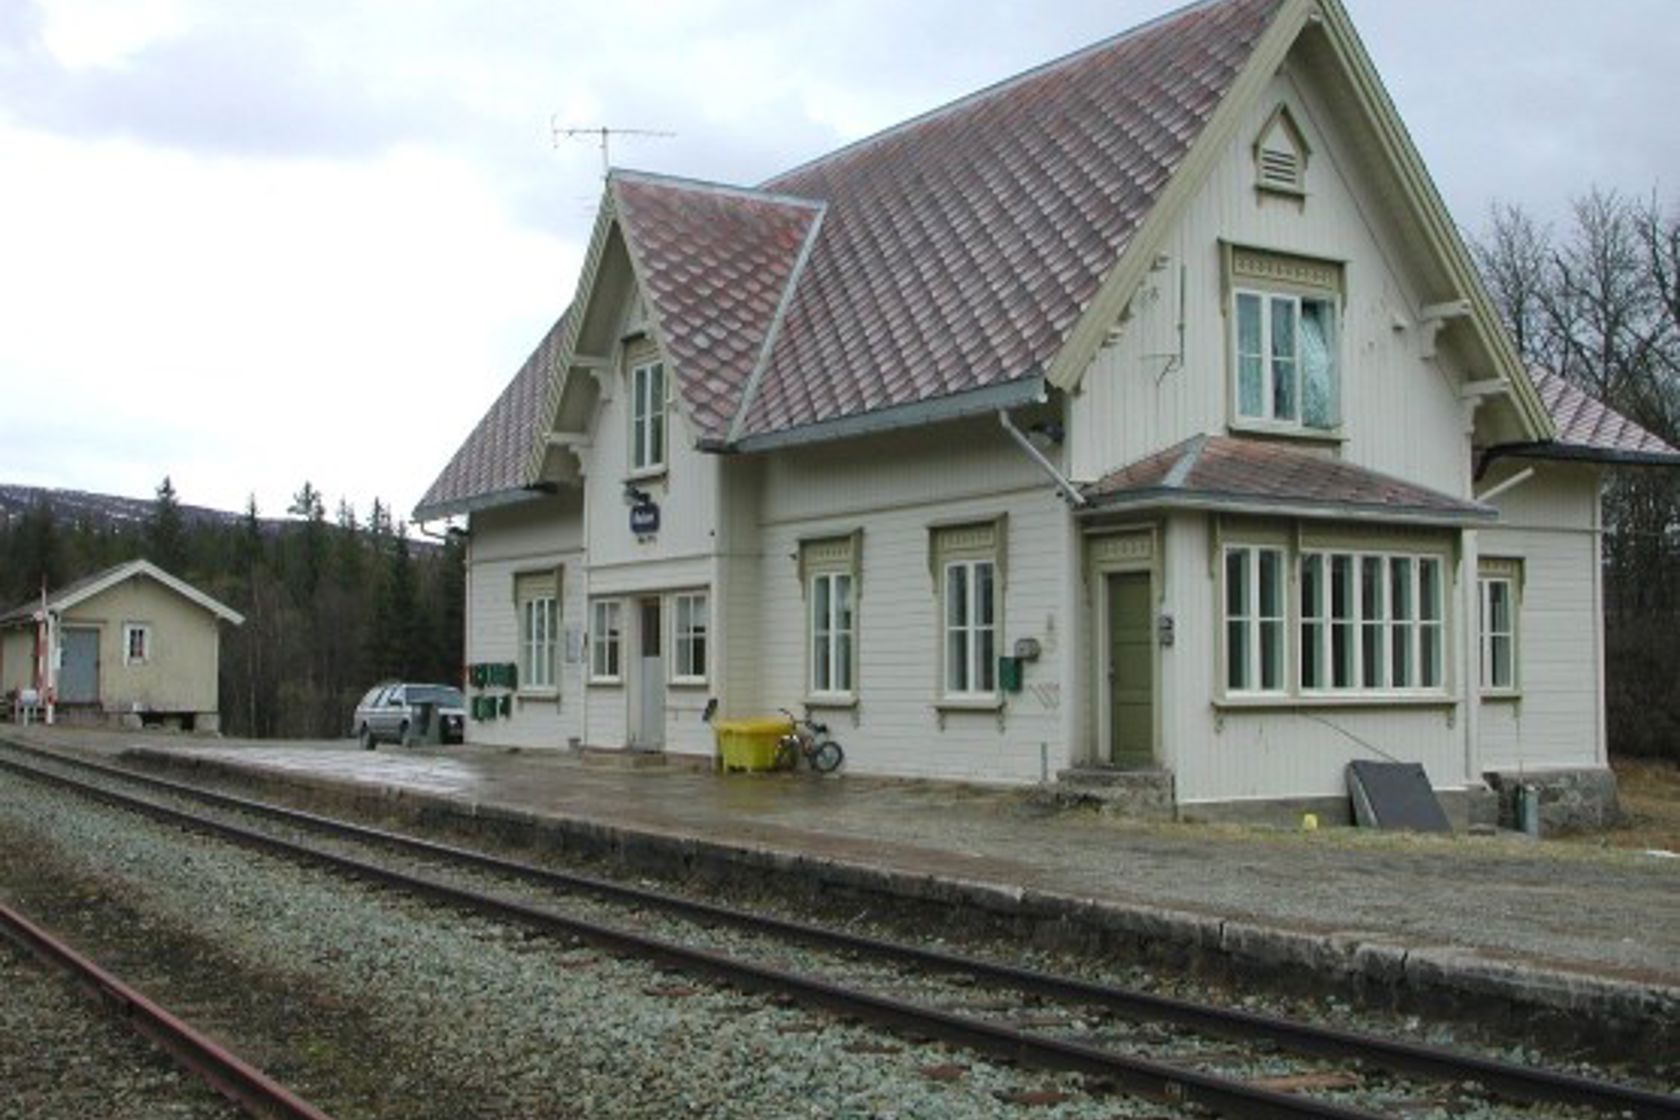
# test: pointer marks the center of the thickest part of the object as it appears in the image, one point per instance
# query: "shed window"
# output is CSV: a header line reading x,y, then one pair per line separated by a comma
x,y
137,643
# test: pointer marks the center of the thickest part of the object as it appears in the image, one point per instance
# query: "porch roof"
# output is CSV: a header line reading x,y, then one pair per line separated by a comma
x,y
1260,476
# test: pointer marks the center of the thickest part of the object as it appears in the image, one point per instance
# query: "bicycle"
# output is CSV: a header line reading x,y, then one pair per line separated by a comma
x,y
809,740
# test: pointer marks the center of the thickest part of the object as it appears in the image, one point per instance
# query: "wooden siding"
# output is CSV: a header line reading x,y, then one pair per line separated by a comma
x,y
537,537
1554,721
181,673
1301,751
17,658
893,488
1400,412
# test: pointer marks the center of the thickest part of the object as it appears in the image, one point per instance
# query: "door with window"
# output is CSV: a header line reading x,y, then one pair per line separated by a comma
x,y
647,726
1131,669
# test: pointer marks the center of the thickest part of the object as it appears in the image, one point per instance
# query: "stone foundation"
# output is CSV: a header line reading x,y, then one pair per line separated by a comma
x,y
1580,800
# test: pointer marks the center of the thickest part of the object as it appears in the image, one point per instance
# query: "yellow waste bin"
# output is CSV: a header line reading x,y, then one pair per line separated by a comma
x,y
750,744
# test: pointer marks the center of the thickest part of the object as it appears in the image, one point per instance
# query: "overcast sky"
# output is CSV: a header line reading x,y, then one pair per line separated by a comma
x,y
250,243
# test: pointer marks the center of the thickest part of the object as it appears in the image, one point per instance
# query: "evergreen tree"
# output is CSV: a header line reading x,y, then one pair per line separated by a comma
x,y
165,533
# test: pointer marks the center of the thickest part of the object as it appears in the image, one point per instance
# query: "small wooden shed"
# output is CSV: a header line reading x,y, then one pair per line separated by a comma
x,y
131,645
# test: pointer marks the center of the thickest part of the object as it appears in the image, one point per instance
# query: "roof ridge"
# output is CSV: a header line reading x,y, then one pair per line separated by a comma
x,y
1193,448
710,186
1000,86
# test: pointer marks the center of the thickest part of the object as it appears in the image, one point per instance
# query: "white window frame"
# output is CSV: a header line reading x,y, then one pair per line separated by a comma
x,y
539,625
1245,631
975,666
1487,636
650,428
606,641
690,644
1368,623
144,631
1270,361
829,635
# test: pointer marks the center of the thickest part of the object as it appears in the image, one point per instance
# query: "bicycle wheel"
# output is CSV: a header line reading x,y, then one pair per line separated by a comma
x,y
827,757
787,753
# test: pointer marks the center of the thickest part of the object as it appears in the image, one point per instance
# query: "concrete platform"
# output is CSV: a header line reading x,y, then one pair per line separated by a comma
x,y
1585,936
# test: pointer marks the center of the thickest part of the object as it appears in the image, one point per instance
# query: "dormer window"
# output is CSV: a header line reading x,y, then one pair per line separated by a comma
x,y
1280,155
647,417
1285,316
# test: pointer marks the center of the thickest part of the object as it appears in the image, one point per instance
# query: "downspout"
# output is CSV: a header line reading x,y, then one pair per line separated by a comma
x,y
1069,492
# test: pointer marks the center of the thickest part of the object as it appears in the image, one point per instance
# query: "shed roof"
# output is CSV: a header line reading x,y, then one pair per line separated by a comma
x,y
81,590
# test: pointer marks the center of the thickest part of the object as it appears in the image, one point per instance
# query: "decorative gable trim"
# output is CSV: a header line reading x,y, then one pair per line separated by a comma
x,y
1067,370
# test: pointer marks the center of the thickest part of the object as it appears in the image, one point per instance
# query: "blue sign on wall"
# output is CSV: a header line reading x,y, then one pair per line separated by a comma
x,y
644,519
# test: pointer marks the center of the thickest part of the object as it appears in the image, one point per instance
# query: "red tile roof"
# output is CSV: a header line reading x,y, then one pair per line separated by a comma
x,y
960,248
1588,429
1230,472
495,462
715,263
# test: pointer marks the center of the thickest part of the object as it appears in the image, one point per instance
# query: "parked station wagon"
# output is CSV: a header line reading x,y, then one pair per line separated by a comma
x,y
399,712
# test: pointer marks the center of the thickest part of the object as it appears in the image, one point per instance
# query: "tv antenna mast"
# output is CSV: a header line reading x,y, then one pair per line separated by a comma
x,y
603,136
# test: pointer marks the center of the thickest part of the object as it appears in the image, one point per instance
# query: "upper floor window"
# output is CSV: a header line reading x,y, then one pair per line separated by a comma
x,y
647,416
1285,314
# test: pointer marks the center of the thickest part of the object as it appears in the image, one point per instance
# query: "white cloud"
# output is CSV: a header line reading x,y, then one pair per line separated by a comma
x,y
252,244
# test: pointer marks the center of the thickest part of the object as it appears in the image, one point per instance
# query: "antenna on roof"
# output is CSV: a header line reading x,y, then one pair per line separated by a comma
x,y
603,135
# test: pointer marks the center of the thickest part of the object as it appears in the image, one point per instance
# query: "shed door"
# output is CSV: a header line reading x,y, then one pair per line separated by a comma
x,y
78,675
1131,670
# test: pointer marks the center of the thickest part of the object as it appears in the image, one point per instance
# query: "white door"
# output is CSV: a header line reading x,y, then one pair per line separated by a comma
x,y
648,729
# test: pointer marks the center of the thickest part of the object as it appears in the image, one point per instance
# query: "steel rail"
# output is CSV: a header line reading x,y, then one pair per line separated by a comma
x,y
1412,1058
237,1080
1142,1076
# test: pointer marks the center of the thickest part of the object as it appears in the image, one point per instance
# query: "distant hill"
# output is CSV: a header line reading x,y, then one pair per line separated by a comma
x,y
112,511
71,506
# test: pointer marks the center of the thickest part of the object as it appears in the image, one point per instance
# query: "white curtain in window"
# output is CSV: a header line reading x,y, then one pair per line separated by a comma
x,y
1318,372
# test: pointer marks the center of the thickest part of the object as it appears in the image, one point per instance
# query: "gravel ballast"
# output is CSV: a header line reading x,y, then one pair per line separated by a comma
x,y
463,1017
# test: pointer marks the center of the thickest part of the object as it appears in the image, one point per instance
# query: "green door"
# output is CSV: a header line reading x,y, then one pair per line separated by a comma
x,y
1131,670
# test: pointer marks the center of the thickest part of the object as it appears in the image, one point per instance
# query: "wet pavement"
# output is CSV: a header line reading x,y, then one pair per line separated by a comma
x,y
1575,909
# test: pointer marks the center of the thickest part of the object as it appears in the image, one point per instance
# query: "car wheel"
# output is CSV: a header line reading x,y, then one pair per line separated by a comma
x,y
366,736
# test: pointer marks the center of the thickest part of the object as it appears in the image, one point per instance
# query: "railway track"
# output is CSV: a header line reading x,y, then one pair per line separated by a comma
x,y
239,1081
970,1012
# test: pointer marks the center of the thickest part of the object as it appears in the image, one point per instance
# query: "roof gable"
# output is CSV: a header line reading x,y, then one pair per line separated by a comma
x,y
717,266
89,587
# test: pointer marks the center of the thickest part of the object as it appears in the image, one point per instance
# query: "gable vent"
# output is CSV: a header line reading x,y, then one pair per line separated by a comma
x,y
1280,155
1280,170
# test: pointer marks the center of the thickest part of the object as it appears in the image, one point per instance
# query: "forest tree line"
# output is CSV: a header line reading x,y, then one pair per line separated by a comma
x,y
1598,301
331,605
